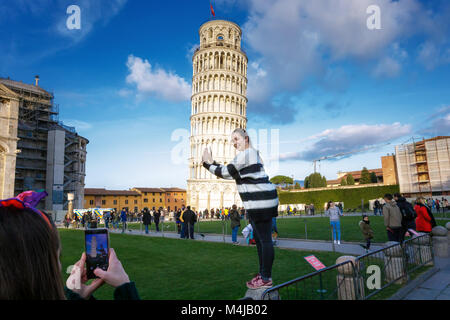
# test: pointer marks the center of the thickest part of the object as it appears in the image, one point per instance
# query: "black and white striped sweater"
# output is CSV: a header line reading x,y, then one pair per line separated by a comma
x,y
258,194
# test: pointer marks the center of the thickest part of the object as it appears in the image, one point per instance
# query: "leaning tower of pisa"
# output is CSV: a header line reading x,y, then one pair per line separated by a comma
x,y
219,88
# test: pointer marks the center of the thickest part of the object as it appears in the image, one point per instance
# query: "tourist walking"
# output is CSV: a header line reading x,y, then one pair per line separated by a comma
x,y
392,219
156,218
146,219
177,219
335,223
123,219
107,218
258,195
376,207
235,223
408,214
367,231
189,219
424,217
67,220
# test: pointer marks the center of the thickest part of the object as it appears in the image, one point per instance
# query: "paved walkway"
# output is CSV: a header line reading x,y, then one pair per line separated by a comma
x,y
437,287
312,245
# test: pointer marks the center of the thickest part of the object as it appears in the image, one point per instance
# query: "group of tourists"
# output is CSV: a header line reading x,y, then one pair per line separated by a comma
x,y
436,205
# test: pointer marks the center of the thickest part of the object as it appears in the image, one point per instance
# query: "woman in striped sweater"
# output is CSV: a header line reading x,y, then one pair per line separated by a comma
x,y
258,195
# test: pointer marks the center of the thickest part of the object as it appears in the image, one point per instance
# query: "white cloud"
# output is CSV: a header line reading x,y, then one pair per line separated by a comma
x,y
440,123
349,138
156,81
431,55
298,42
79,125
387,67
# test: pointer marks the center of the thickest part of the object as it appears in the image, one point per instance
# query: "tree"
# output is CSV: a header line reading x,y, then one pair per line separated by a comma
x,y
365,176
350,180
297,185
373,177
315,180
281,180
343,182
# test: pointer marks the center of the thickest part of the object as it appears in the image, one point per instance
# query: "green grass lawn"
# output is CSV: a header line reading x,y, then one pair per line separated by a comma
x,y
183,269
316,228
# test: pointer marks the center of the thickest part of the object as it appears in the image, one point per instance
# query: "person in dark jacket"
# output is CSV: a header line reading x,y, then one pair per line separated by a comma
x,y
235,218
189,219
367,231
123,219
146,219
156,217
408,214
376,207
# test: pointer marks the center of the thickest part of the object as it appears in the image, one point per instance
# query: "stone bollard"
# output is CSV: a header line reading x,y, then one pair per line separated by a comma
x,y
349,283
394,263
257,294
422,250
440,242
447,225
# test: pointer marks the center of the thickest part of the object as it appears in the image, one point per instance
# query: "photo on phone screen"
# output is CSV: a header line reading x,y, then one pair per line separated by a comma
x,y
97,251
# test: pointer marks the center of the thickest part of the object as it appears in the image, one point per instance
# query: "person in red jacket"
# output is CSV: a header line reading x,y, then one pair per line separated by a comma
x,y
423,220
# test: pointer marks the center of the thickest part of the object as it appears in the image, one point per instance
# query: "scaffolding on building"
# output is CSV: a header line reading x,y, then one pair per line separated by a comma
x,y
424,166
38,115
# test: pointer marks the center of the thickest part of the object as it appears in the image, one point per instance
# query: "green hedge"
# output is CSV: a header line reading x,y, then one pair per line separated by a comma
x,y
351,197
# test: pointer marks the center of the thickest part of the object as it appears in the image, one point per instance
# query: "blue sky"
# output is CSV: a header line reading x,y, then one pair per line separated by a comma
x,y
316,73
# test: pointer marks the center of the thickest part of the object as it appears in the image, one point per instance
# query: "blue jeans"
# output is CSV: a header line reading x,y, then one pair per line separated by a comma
x,y
107,224
234,232
183,230
146,228
274,225
336,226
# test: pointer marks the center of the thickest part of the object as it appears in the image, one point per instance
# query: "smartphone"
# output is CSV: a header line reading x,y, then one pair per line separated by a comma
x,y
97,250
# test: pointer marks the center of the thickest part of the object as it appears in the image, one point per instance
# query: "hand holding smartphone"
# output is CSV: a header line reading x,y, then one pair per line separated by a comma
x,y
97,250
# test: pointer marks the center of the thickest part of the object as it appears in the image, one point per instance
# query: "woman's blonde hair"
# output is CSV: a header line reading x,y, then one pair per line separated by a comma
x,y
243,134
420,200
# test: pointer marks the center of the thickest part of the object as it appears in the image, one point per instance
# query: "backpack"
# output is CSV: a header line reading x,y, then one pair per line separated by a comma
x,y
433,222
408,212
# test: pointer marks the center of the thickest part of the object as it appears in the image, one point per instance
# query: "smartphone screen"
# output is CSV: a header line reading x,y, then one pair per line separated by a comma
x,y
97,250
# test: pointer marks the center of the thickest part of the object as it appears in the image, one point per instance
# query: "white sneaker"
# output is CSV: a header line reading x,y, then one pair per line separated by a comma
x,y
339,242
334,241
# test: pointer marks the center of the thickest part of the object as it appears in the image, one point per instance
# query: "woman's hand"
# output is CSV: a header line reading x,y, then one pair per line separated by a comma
x,y
207,156
115,275
78,279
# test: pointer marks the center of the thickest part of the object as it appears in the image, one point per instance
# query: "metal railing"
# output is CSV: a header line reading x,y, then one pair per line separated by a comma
x,y
361,277
331,283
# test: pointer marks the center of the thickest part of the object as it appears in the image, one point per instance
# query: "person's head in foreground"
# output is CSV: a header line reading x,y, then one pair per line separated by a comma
x,y
30,267
388,197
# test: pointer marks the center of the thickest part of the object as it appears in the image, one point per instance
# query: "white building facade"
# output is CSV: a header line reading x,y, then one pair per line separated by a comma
x,y
219,103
